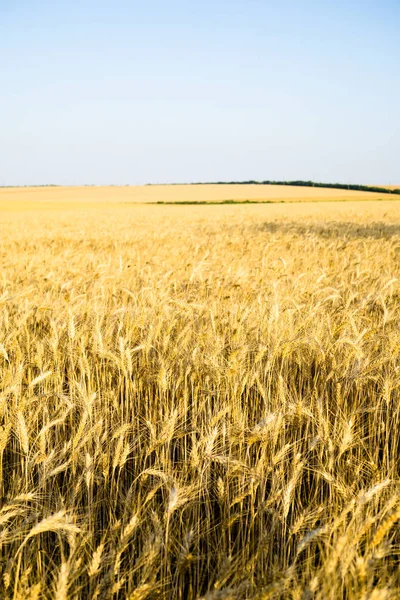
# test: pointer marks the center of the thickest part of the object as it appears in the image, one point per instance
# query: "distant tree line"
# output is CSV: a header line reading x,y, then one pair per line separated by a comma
x,y
300,183
36,185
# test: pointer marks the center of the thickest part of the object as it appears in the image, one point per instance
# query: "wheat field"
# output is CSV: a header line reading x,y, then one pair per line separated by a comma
x,y
45,198
200,402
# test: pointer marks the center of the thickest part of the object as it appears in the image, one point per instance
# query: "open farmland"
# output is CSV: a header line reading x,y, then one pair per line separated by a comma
x,y
199,402
43,198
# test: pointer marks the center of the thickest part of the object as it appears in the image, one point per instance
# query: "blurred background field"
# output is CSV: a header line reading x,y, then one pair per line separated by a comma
x,y
50,197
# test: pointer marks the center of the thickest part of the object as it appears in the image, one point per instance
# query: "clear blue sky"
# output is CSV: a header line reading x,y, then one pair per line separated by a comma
x,y
171,91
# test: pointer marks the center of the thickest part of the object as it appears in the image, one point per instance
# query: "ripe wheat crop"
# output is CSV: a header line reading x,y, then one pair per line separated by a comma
x,y
45,198
200,402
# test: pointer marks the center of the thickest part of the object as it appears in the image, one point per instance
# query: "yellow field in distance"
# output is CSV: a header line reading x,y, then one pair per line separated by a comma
x,y
34,198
